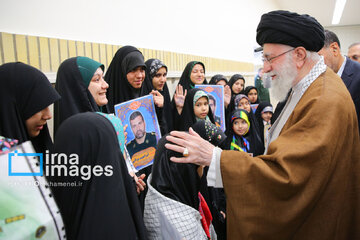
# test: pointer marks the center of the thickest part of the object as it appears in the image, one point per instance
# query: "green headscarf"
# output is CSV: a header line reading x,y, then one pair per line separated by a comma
x,y
87,68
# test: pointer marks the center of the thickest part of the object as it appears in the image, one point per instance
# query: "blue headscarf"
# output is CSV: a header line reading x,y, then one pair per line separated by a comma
x,y
119,129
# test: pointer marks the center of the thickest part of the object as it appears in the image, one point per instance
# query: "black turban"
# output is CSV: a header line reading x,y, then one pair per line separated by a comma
x,y
290,29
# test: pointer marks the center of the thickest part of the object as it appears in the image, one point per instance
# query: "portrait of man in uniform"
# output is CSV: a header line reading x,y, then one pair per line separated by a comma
x,y
144,143
139,118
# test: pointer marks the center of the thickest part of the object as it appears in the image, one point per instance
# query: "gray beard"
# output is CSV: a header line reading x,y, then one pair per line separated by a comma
x,y
285,77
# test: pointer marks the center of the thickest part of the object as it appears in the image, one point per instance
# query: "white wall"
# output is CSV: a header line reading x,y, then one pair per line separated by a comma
x,y
221,29
347,35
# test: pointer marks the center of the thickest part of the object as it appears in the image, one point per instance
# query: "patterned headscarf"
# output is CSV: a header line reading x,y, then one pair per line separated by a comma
x,y
209,131
119,129
155,66
238,99
197,96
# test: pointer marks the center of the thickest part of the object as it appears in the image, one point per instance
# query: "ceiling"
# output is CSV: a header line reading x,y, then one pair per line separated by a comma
x,y
323,10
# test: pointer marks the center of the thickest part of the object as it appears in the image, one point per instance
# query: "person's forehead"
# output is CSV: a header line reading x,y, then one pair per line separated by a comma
x,y
202,99
99,71
198,66
271,48
137,118
239,81
355,49
239,120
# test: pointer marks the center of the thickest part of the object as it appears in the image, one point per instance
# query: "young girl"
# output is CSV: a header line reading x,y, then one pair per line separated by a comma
x,y
252,93
196,107
263,116
237,84
242,136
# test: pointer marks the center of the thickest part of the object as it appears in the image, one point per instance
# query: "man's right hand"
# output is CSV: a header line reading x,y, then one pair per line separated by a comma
x,y
200,151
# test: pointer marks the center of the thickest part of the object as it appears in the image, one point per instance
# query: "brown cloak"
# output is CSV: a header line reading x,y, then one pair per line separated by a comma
x,y
307,186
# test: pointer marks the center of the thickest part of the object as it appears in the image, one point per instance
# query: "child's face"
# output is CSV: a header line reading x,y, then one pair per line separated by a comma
x,y
201,108
244,104
240,127
266,116
252,95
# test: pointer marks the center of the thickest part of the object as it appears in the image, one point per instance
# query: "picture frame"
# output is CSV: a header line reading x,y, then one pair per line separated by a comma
x,y
142,128
217,93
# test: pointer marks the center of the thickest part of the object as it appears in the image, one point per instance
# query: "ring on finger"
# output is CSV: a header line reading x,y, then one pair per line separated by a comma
x,y
186,152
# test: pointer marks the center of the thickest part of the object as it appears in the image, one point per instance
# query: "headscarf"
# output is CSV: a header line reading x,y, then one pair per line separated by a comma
x,y
178,181
247,90
250,114
242,115
238,98
87,68
103,206
231,107
185,80
24,91
197,96
164,113
125,60
187,117
290,29
215,136
72,82
217,78
152,67
187,84
233,80
252,136
258,117
209,132
119,129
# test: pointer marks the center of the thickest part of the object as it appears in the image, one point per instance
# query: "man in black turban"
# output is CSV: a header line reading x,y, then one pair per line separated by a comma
x,y
311,165
290,29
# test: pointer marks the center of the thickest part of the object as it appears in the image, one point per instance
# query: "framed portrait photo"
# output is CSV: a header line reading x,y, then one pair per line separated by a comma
x,y
216,102
142,128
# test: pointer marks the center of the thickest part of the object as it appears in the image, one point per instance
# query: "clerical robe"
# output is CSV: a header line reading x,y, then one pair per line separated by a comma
x,y
308,184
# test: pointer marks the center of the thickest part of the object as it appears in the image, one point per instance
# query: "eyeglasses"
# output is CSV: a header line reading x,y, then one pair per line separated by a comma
x,y
266,59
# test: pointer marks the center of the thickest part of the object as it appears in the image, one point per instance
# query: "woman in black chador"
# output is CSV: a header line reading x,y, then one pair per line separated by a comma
x,y
25,97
